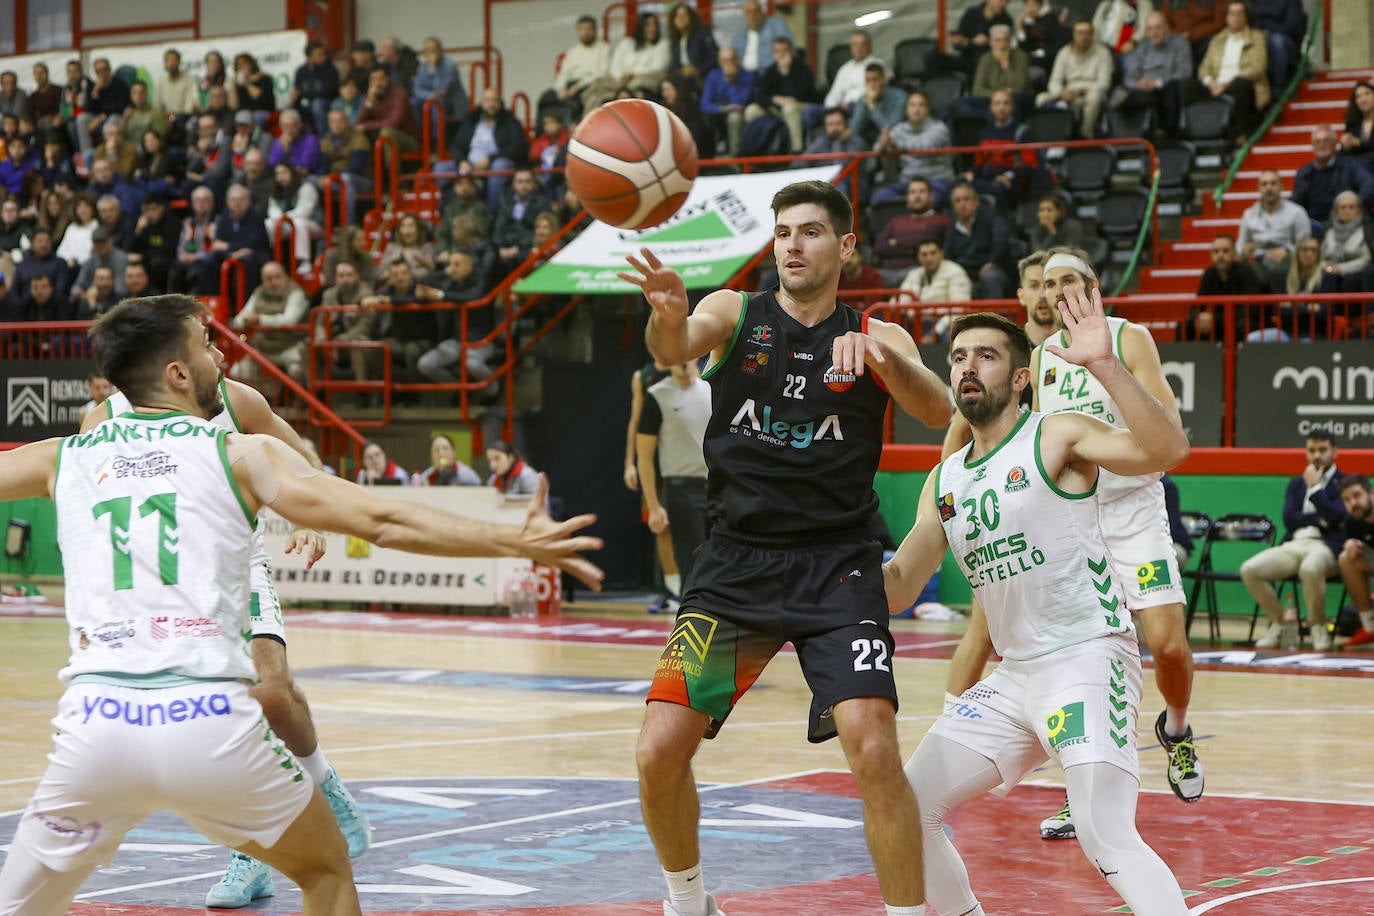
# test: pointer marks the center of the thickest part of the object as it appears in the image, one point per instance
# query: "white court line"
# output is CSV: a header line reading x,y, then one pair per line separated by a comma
x,y
163,883
10,782
1258,892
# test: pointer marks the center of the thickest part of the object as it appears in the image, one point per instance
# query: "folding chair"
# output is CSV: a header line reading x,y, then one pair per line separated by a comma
x,y
1235,528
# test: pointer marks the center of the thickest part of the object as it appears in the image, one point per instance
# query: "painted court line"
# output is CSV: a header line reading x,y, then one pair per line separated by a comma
x,y
1259,892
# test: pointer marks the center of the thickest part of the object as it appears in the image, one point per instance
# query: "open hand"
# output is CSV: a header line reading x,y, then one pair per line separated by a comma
x,y
557,543
1086,321
662,286
308,543
851,351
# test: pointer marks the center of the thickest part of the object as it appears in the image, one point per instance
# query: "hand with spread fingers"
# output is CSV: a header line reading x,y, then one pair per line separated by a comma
x,y
308,543
662,286
1090,337
557,543
853,350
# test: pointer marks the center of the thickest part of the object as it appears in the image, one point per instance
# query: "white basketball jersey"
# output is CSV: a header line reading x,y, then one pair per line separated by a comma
x,y
1033,554
1063,386
119,405
156,538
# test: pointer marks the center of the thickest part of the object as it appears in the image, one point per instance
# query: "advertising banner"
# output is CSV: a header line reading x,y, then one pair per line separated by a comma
x,y
278,54
724,223
42,397
1286,390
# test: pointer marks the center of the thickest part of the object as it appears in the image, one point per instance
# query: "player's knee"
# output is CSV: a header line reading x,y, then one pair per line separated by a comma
x,y
874,759
661,756
1171,649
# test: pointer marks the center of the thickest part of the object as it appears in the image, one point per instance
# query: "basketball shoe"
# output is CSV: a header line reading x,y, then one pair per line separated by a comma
x,y
711,908
1185,773
1360,637
1058,826
246,880
356,830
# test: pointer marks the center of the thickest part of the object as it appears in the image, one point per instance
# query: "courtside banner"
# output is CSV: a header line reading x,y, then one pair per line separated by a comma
x,y
724,223
278,55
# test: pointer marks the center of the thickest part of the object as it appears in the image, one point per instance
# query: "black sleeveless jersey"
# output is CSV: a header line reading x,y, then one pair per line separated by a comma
x,y
791,447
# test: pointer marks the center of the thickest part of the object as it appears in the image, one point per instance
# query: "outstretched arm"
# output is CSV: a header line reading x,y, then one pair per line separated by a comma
x,y
892,355
271,474
919,555
30,471
674,336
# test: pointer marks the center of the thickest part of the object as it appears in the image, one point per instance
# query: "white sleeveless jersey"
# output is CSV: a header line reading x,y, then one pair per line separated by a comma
x,y
1063,386
1033,554
156,538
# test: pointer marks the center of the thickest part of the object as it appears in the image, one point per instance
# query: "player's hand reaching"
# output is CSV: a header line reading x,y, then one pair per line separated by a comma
x,y
308,543
557,543
851,351
1086,321
662,286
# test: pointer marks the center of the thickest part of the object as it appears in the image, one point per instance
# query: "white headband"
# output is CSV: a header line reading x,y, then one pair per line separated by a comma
x,y
1072,262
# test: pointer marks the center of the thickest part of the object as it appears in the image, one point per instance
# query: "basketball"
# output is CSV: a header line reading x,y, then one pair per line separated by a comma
x,y
632,163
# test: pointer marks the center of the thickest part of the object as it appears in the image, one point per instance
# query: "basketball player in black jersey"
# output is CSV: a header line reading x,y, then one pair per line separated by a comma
x,y
799,386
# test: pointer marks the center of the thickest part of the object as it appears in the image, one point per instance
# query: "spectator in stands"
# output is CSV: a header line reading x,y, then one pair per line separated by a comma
x,y
410,242
100,298
1156,72
214,75
728,90
137,282
157,169
1358,139
209,158
253,88
1271,228
1284,25
295,145
970,38
294,197
379,470
409,333
105,101
347,287
437,77
142,115
445,470
1040,33
850,80
1304,318
316,84
75,94
490,139
44,105
103,254
584,77
550,151
640,60
56,165
277,303
977,241
1345,248
1002,67
254,175
753,42
1119,24
1313,515
1054,228
13,100
350,101
362,60
218,104
513,231
465,233
463,199
18,162
240,233
15,230
155,238
55,216
918,131
898,243
113,217
1357,553
509,472
244,136
692,48
855,274
1195,20
1228,276
399,60
345,152
461,282
784,89
880,108
351,247
386,113
1080,79
1235,65
42,260
122,155
998,168
681,97
836,138
1328,174
936,280
11,306
42,302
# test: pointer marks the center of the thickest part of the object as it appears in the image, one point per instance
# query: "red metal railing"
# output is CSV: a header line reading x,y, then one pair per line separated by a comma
x,y
331,185
432,123
278,235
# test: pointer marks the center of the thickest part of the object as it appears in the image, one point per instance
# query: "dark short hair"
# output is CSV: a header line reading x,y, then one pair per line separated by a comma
x,y
1034,259
135,340
1018,344
1351,480
918,179
836,110
591,19
925,242
876,68
1321,435
312,46
836,205
1225,235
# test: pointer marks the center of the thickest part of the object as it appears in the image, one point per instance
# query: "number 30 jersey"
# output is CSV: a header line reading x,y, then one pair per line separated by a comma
x,y
1032,553
155,537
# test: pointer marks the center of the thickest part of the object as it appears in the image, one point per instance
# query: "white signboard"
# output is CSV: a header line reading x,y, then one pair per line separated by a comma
x,y
724,223
354,570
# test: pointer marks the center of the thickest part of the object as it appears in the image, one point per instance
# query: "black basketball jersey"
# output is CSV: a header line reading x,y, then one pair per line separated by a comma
x,y
792,446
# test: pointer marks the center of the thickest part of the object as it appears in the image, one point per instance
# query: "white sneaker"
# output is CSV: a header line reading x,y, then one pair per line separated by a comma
x,y
1321,639
711,908
1271,637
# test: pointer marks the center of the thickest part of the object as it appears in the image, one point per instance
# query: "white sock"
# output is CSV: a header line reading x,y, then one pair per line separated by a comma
x,y
687,891
906,910
1175,721
1367,619
674,584
316,766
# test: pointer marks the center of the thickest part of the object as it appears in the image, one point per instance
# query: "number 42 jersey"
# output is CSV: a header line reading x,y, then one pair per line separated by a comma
x,y
155,539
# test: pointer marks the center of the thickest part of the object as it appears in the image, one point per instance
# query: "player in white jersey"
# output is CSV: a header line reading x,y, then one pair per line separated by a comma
x,y
245,410
1018,508
159,505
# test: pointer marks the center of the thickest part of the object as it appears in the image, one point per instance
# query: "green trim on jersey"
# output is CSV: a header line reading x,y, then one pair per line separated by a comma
x,y
1039,463
1025,415
57,468
739,326
166,414
152,681
229,406
935,493
221,442
1120,353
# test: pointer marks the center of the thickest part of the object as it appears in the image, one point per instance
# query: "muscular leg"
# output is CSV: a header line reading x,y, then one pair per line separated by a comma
x,y
312,854
283,703
667,790
946,774
29,888
892,821
1163,627
1103,797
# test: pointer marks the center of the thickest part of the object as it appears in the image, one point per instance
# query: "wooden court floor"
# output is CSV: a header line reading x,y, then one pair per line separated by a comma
x,y
498,736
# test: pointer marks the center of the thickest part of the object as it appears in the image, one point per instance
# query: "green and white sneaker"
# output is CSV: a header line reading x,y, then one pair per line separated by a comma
x,y
1185,773
356,830
1058,826
246,880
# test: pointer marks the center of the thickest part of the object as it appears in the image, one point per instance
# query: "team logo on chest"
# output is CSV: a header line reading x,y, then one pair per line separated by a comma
x,y
761,336
946,505
755,363
1016,479
838,381
1049,377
